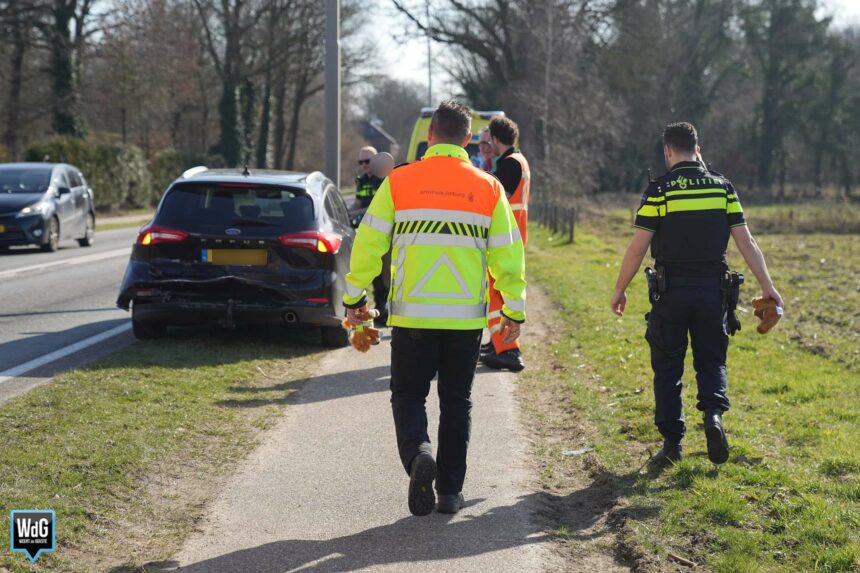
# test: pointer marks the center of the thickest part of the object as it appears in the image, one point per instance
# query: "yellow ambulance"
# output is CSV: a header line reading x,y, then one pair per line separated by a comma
x,y
418,143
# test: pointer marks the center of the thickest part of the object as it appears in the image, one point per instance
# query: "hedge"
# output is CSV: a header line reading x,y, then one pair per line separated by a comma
x,y
168,164
117,172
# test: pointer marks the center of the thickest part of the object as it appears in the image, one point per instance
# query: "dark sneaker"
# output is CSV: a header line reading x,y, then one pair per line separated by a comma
x,y
508,360
718,445
668,454
422,498
450,503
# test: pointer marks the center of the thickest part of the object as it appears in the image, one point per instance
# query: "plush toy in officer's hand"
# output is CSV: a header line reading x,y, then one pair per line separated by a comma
x,y
363,336
768,313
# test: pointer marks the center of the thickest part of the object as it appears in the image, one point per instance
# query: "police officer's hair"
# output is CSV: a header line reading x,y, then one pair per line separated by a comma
x,y
451,122
504,129
681,137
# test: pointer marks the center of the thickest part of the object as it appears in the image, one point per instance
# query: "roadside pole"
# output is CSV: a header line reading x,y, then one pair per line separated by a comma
x,y
332,91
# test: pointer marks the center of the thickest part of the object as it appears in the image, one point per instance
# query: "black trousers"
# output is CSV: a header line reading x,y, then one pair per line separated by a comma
x,y
417,355
699,312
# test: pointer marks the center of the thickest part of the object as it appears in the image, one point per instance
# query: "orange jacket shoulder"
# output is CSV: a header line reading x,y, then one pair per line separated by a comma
x,y
444,183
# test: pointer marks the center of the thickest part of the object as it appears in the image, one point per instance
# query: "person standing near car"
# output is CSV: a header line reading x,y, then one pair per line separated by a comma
x,y
366,183
484,159
512,170
449,223
366,186
687,216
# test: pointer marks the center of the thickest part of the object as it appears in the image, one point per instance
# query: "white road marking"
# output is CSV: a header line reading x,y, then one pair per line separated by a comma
x,y
16,371
66,262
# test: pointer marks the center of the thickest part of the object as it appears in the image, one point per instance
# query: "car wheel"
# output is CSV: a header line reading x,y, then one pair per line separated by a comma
x,y
334,337
52,240
90,232
148,330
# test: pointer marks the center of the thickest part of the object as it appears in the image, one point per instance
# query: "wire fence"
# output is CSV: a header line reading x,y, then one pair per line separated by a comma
x,y
560,220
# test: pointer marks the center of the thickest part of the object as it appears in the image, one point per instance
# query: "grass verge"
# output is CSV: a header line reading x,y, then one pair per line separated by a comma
x,y
122,224
788,500
127,450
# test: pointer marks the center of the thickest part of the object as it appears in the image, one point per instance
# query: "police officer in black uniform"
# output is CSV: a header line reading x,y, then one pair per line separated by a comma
x,y
686,216
366,185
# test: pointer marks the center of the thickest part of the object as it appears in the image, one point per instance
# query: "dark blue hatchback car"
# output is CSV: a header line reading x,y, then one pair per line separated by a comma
x,y
233,248
43,204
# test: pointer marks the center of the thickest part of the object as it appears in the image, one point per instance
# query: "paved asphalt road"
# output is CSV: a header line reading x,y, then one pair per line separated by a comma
x,y
325,492
52,304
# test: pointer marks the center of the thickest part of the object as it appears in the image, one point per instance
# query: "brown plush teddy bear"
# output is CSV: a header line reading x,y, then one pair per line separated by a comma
x,y
363,336
767,312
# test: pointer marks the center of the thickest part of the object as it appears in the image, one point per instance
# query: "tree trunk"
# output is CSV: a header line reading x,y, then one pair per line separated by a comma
x,y
265,121
280,124
228,145
293,136
65,103
248,99
16,72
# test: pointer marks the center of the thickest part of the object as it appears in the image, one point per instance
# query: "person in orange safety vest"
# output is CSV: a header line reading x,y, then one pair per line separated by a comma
x,y
512,170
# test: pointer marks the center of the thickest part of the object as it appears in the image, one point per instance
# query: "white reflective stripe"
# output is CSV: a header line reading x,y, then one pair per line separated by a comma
x,y
447,215
519,207
495,328
504,239
464,294
439,240
516,305
425,310
354,291
494,314
398,273
380,225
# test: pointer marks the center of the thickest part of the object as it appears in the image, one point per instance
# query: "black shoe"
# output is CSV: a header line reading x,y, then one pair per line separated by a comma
x,y
508,360
487,348
450,503
422,498
668,454
718,446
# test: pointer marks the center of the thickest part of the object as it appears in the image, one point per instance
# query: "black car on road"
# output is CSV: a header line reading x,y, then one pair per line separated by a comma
x,y
44,204
233,248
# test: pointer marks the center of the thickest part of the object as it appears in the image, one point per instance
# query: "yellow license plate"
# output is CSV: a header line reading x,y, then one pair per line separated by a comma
x,y
244,257
2,229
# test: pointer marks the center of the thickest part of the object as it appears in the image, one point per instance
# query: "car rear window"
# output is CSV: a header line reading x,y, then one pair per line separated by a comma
x,y
24,179
267,211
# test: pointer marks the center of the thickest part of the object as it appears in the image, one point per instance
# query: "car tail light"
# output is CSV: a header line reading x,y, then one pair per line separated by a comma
x,y
317,300
153,234
314,240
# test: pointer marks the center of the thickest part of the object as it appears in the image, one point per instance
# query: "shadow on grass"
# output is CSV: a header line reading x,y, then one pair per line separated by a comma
x,y
201,346
314,388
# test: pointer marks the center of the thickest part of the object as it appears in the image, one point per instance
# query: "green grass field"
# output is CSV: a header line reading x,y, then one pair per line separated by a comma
x,y
788,500
125,450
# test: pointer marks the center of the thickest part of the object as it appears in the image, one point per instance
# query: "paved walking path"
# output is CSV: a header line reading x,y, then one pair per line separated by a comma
x,y
325,492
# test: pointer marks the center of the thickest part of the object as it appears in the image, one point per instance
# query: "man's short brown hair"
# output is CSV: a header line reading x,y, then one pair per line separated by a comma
x,y
504,129
681,137
451,122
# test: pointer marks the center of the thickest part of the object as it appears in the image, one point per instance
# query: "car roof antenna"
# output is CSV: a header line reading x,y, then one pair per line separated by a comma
x,y
246,171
